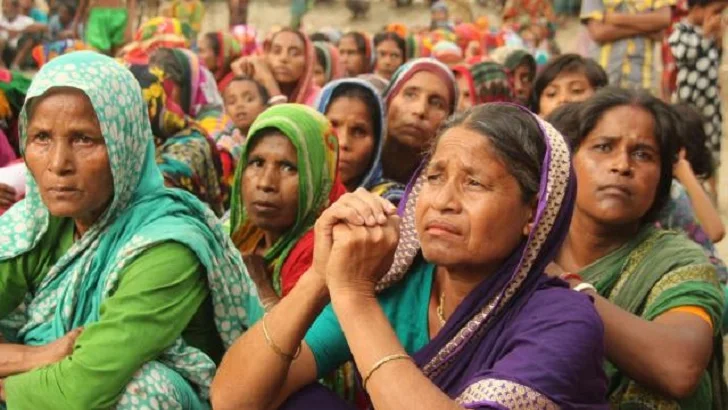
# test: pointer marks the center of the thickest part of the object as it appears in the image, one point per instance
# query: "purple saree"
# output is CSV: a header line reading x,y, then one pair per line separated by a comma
x,y
520,340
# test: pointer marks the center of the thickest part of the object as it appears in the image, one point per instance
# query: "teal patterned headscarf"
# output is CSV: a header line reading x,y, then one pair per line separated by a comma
x,y
142,214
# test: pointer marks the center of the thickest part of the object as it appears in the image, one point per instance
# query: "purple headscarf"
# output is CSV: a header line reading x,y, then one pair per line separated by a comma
x,y
460,359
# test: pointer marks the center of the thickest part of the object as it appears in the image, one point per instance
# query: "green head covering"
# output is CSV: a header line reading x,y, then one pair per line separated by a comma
x,y
317,153
142,214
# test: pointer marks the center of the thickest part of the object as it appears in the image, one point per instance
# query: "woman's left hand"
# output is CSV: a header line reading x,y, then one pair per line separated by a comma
x,y
360,256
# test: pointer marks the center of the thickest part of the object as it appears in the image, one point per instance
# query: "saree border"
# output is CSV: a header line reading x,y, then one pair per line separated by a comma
x,y
506,393
690,273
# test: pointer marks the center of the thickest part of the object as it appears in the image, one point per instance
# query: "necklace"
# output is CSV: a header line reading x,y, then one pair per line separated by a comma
x,y
440,314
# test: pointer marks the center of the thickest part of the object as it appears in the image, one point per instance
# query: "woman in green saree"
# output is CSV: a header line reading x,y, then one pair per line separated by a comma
x,y
100,244
656,291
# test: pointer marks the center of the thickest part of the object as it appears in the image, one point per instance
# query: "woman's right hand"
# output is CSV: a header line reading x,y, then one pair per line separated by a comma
x,y
8,196
58,350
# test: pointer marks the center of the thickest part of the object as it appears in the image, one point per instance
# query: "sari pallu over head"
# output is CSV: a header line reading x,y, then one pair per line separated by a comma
x,y
142,214
228,49
158,32
333,69
459,360
373,175
185,154
317,152
651,274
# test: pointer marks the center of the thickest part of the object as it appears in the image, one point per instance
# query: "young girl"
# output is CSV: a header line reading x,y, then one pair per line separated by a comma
x,y
244,100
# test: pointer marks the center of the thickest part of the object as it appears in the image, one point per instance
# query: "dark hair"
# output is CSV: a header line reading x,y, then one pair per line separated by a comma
x,y
364,95
165,59
360,40
691,136
214,42
319,37
565,119
514,134
665,131
387,35
567,63
262,92
68,5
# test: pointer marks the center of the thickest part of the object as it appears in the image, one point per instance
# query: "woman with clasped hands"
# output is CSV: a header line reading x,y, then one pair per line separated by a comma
x,y
448,307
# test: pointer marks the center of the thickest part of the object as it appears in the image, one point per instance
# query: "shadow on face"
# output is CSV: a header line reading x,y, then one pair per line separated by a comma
x,y
618,167
471,210
66,153
270,182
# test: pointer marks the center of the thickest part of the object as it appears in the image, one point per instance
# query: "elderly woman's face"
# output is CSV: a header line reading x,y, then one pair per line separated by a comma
x,y
470,212
66,154
618,167
270,183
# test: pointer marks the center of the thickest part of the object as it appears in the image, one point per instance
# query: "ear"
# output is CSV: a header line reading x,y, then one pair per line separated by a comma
x,y
528,227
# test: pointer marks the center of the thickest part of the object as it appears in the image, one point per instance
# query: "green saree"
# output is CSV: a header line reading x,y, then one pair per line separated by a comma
x,y
651,274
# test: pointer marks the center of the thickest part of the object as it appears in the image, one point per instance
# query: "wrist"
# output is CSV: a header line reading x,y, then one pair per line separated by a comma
x,y
349,297
315,285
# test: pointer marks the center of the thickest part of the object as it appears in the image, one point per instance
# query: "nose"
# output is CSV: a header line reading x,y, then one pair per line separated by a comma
x,y
621,163
419,107
61,159
268,179
344,141
446,198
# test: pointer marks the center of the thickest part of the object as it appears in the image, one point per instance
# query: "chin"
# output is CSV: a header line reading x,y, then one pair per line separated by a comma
x,y
441,254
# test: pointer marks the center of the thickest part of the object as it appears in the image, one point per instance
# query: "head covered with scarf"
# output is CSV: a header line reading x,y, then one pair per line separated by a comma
x,y
226,49
412,67
331,61
156,33
141,214
305,90
490,83
186,155
463,353
317,152
330,93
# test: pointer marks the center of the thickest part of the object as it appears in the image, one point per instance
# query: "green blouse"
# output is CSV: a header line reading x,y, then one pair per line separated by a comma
x,y
161,295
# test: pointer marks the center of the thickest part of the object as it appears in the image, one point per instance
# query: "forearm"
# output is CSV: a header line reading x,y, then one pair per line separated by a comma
x,y
705,211
643,22
607,33
252,374
638,347
398,384
15,359
36,28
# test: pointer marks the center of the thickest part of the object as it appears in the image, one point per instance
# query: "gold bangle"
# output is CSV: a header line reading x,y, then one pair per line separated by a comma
x,y
381,363
276,349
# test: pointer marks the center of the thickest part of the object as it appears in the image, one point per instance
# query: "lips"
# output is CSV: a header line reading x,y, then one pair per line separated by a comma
x,y
440,227
282,71
414,129
264,207
616,189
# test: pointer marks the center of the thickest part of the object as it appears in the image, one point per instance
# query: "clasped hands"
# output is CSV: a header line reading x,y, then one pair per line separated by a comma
x,y
355,241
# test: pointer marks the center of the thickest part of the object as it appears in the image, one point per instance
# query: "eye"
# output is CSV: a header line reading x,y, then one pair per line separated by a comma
x,y
359,131
288,167
438,103
410,94
550,94
602,147
41,138
82,139
643,155
434,177
577,91
256,163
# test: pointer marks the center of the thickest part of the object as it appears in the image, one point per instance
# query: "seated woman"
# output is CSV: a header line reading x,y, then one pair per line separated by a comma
x,y
193,87
245,99
99,243
464,316
356,113
285,69
390,50
217,52
285,178
656,291
187,157
565,79
328,63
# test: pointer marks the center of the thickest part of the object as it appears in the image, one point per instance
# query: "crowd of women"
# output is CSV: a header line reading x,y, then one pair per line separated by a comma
x,y
338,221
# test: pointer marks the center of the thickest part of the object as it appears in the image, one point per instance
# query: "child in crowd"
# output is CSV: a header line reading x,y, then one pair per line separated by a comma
x,y
696,45
245,99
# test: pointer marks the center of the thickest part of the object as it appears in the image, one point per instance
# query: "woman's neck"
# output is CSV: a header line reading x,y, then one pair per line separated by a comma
x,y
588,241
398,161
269,238
453,285
287,90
